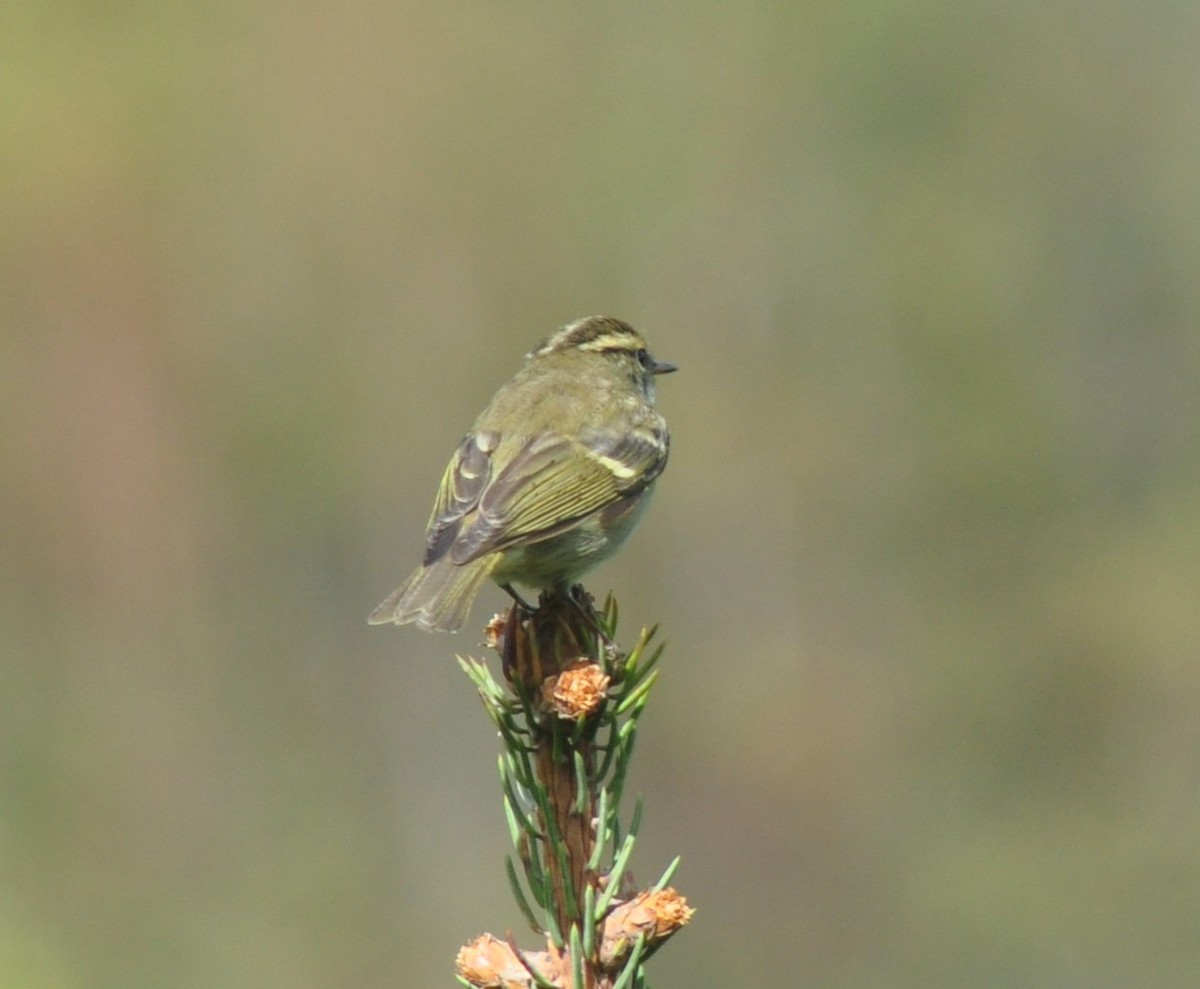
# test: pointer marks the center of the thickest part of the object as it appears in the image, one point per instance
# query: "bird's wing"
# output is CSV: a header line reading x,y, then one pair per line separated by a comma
x,y
466,478
552,483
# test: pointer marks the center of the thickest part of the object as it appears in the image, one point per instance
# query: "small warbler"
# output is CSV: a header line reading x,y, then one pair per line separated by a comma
x,y
549,481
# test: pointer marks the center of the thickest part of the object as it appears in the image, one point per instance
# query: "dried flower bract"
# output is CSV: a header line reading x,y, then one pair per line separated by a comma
x,y
657,915
576,692
490,963
493,632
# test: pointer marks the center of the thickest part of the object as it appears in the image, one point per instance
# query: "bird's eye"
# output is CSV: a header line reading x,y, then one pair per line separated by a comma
x,y
643,356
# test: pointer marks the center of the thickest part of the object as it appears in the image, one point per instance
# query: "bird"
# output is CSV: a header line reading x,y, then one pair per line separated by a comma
x,y
549,480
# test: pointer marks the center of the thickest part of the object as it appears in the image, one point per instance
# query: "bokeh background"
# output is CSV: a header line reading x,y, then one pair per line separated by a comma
x,y
927,555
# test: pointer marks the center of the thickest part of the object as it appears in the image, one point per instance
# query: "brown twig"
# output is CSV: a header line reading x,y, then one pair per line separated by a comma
x,y
544,643
568,734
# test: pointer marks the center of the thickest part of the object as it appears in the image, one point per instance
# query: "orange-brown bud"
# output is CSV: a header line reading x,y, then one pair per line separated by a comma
x,y
578,691
493,632
657,915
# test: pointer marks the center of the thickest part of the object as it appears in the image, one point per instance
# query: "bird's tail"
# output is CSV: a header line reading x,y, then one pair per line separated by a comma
x,y
436,597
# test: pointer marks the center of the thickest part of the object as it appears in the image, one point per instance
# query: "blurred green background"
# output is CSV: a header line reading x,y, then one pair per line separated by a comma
x,y
927,555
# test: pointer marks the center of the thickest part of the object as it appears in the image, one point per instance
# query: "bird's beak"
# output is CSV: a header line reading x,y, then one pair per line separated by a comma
x,y
662,367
